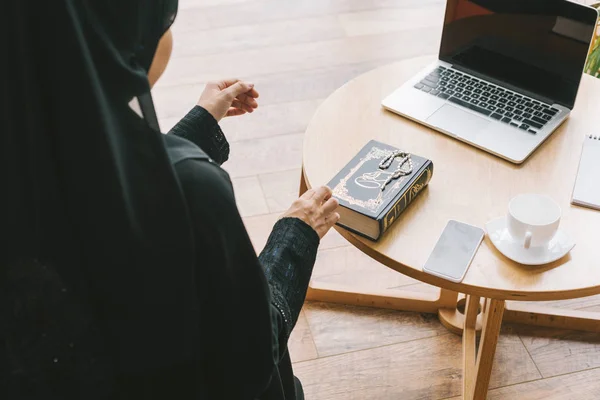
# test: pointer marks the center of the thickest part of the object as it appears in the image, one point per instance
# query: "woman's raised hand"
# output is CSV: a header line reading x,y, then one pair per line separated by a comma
x,y
228,98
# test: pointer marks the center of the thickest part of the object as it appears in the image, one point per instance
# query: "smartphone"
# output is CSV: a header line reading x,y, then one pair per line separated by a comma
x,y
454,251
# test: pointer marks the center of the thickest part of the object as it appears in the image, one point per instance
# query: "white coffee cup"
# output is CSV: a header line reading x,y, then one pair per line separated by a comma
x,y
533,219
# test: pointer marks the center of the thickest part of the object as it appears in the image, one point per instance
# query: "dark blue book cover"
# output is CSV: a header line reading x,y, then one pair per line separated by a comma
x,y
358,185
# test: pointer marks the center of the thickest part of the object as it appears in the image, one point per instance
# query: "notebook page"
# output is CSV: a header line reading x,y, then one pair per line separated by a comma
x,y
587,185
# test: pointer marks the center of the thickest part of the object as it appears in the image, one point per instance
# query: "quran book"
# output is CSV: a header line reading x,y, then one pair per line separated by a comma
x,y
365,208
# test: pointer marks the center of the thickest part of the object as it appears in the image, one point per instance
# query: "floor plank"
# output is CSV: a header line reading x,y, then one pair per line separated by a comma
x,y
384,47
280,188
340,329
349,267
260,12
253,36
392,20
574,304
301,345
262,156
591,308
557,351
259,228
272,117
421,369
175,101
188,4
166,124
286,87
577,386
332,240
309,84
271,120
249,196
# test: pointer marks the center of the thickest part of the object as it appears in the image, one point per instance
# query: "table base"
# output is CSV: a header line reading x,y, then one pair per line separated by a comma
x,y
481,316
448,304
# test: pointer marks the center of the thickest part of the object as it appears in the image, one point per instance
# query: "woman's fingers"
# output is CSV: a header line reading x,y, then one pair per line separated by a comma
x,y
316,207
243,106
246,99
233,112
330,221
308,194
334,218
253,93
225,83
237,88
321,194
330,205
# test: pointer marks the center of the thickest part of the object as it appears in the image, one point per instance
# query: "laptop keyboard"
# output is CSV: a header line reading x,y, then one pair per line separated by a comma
x,y
490,100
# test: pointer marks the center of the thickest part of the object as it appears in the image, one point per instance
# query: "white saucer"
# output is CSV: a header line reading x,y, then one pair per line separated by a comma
x,y
557,248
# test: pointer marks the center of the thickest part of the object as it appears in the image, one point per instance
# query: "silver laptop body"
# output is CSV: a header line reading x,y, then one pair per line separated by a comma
x,y
507,75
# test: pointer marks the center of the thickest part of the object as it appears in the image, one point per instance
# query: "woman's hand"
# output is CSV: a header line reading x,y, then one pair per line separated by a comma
x,y
317,208
228,98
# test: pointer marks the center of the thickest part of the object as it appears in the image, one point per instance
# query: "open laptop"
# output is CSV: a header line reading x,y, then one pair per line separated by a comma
x,y
507,75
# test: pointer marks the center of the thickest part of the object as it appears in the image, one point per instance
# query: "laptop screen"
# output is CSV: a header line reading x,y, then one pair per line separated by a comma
x,y
537,47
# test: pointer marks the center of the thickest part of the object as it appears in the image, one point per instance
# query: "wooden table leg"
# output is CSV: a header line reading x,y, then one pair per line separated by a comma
x,y
454,320
468,342
401,300
478,369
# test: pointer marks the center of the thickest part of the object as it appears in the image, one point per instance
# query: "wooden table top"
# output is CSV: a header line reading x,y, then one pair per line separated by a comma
x,y
468,185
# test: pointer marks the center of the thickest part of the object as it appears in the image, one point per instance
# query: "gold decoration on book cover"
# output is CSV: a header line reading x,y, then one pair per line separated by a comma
x,y
374,204
421,182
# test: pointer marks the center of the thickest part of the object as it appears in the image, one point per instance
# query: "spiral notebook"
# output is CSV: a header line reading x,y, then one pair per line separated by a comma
x,y
587,185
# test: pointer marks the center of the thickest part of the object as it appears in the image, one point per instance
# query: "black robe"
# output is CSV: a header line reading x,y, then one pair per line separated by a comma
x,y
126,271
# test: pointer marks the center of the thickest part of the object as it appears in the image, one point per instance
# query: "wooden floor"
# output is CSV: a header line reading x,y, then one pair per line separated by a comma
x,y
297,53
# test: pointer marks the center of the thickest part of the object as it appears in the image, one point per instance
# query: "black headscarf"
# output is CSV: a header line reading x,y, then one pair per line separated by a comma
x,y
87,186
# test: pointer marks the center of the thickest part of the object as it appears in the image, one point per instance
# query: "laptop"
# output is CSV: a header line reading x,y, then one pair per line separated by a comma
x,y
507,74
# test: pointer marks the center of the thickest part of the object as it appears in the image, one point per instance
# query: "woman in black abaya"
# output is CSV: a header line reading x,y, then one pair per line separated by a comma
x,y
126,270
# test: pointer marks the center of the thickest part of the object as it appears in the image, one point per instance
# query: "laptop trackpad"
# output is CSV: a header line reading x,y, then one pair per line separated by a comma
x,y
458,122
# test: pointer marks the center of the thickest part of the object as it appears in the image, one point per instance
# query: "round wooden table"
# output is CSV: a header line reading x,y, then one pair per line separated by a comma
x,y
471,186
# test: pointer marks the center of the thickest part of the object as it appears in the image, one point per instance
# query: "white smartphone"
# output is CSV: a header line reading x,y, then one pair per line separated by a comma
x,y
454,251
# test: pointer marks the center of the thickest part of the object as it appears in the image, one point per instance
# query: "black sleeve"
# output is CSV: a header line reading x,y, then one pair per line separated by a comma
x,y
201,128
288,260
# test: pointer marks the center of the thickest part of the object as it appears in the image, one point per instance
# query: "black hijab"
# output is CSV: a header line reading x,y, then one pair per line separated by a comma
x,y
87,185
